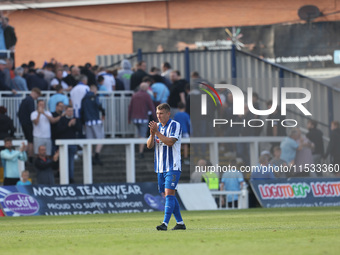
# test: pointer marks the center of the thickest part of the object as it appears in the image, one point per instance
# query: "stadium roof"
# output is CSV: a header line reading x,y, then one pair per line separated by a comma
x,y
29,4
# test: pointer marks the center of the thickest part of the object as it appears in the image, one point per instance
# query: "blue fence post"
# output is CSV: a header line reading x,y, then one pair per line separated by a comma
x,y
233,64
187,64
330,107
139,55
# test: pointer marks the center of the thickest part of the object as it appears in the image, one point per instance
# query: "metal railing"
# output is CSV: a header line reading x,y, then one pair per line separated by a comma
x,y
115,103
130,143
242,195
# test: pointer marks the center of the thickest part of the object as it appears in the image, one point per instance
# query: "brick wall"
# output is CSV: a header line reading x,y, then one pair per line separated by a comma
x,y
43,35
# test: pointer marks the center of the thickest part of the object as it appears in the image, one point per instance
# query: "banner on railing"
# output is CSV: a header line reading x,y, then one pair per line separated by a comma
x,y
297,192
80,199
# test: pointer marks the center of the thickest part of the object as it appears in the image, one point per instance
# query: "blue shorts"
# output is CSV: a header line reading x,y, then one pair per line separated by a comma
x,y
168,180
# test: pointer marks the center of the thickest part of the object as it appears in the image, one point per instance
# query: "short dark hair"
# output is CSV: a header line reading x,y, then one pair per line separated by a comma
x,y
100,78
8,139
195,74
164,106
140,63
313,122
180,105
31,63
39,100
58,87
177,72
167,65
37,90
154,69
147,79
59,102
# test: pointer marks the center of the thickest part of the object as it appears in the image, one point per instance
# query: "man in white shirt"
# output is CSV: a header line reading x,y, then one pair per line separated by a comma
x,y
42,120
77,94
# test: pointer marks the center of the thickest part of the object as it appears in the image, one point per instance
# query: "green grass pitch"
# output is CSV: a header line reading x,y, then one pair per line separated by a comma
x,y
254,231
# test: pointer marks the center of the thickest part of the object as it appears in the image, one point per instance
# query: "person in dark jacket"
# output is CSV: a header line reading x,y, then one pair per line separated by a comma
x,y
9,34
44,166
90,113
26,107
35,79
137,77
67,128
315,136
6,124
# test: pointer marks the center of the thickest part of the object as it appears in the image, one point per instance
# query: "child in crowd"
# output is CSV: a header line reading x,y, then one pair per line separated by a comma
x,y
25,175
100,83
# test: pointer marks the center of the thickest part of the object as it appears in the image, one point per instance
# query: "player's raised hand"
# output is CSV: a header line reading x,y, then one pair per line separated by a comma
x,y
153,127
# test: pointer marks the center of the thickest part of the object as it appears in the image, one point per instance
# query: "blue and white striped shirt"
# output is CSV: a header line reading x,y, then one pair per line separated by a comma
x,y
168,158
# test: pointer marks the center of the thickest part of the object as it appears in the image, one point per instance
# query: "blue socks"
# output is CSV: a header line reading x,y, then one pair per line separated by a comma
x,y
169,208
177,213
172,206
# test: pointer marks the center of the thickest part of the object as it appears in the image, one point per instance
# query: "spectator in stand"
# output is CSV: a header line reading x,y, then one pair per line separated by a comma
x,y
304,156
137,77
159,89
177,91
6,124
290,145
315,136
73,78
119,83
58,80
44,166
196,176
25,175
139,107
166,70
57,114
155,71
100,84
66,70
19,83
9,35
25,67
91,77
77,94
263,172
333,148
8,71
31,65
67,128
124,74
26,107
42,120
276,161
109,80
232,181
9,159
3,85
184,120
90,113
58,97
48,72
35,79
